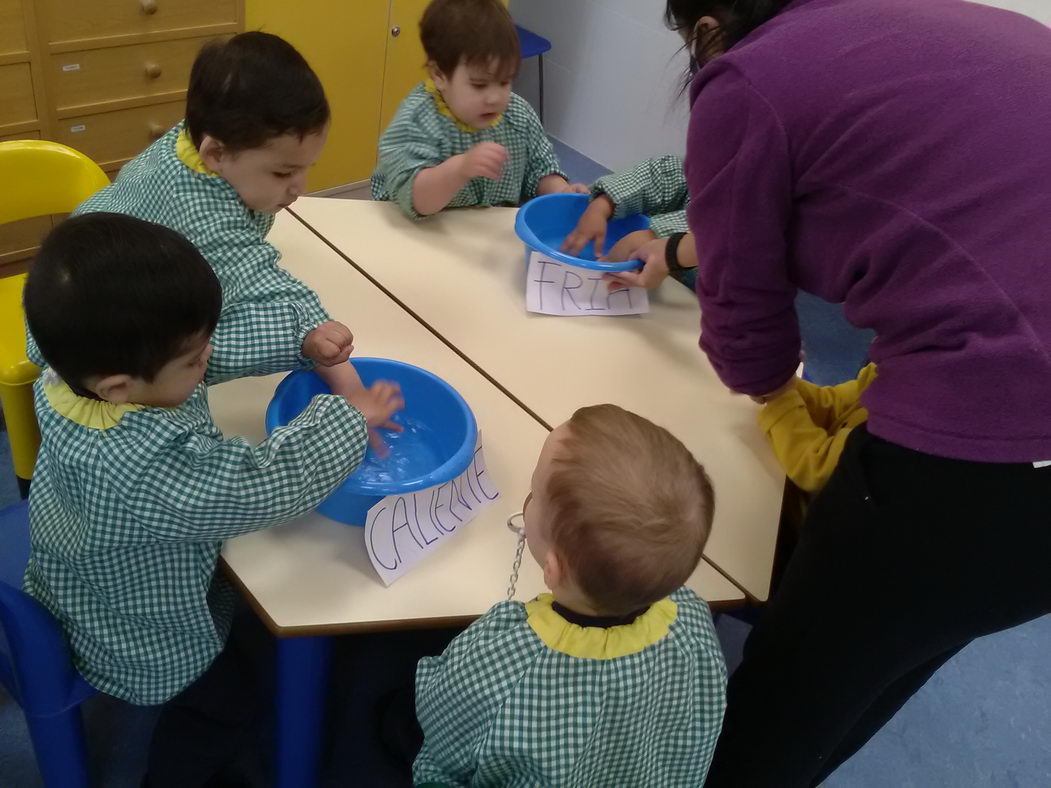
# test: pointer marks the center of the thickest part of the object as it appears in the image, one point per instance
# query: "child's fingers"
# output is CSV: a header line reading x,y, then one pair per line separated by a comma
x,y
623,279
378,444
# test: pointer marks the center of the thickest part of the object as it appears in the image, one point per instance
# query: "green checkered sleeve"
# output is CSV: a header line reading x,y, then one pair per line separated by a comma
x,y
665,224
404,150
459,694
542,160
197,489
267,312
654,187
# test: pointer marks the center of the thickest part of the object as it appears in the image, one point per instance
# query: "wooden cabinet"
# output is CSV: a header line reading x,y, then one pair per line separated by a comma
x,y
106,77
120,75
111,138
405,56
74,24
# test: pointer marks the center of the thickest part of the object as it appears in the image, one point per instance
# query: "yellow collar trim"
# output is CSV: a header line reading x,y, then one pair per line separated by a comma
x,y
188,155
596,643
91,413
443,109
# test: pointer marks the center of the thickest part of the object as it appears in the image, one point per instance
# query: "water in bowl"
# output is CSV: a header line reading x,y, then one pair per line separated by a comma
x,y
412,454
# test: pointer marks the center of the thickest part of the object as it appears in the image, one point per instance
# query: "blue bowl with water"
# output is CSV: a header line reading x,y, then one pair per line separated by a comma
x,y
436,446
544,222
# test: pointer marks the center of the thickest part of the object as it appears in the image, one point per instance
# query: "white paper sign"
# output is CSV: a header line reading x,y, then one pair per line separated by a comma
x,y
402,530
554,288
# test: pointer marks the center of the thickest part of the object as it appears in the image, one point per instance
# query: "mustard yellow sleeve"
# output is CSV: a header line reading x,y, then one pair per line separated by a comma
x,y
831,405
808,452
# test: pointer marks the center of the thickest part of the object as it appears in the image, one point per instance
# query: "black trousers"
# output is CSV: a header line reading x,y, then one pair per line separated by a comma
x,y
203,732
904,559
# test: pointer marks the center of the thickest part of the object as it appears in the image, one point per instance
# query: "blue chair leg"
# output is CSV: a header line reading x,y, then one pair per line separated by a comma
x,y
58,742
540,66
302,680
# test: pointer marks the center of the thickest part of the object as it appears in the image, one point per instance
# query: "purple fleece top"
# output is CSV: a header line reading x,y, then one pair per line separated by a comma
x,y
894,155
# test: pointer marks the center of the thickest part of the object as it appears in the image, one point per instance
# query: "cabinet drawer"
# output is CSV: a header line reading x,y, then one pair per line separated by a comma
x,y
20,240
16,88
111,138
25,135
12,29
70,20
80,79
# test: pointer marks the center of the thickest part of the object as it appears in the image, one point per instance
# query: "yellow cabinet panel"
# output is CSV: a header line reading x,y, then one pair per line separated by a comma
x,y
70,20
344,43
12,30
80,79
405,55
111,138
16,89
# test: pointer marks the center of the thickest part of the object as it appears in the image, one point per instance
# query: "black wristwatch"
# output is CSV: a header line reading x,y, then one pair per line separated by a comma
x,y
671,253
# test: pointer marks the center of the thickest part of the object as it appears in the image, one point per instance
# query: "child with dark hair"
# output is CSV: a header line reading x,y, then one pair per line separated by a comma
x,y
614,678
135,487
256,119
462,138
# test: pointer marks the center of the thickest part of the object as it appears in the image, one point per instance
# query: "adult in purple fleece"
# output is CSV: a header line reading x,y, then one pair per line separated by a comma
x,y
894,155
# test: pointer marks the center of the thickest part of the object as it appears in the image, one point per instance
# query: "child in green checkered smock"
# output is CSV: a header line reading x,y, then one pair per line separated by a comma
x,y
462,138
655,187
135,487
616,677
256,119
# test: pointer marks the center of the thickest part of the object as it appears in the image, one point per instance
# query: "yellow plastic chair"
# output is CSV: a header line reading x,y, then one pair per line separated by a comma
x,y
40,178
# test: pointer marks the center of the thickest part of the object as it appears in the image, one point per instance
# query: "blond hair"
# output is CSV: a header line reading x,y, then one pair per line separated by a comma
x,y
631,508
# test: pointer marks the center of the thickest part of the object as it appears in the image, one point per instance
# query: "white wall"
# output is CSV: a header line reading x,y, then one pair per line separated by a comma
x,y
613,74
1038,9
611,77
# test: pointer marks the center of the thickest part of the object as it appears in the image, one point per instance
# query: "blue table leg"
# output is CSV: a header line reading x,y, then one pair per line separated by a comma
x,y
302,681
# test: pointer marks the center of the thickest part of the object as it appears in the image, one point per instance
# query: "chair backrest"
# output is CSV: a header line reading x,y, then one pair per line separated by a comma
x,y
35,663
42,178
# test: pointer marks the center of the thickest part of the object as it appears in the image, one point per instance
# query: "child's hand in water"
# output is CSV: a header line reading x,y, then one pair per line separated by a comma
x,y
591,227
328,344
377,404
556,184
628,247
484,160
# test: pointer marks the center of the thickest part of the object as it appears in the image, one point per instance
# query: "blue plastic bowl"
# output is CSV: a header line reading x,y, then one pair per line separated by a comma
x,y
429,400
544,222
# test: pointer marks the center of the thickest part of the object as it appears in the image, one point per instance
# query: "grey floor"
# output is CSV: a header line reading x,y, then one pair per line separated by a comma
x,y
983,720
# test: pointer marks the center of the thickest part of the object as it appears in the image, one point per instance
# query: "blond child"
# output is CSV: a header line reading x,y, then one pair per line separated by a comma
x,y
462,138
615,677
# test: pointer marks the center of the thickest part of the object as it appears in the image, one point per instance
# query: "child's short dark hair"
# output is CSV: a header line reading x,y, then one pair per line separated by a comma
x,y
110,294
476,32
251,89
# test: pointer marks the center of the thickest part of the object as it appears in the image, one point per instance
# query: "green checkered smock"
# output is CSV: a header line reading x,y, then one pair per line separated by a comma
x,y
509,704
424,133
266,311
656,187
127,518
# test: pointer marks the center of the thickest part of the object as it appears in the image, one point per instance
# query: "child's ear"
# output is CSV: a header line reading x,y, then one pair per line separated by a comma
x,y
437,77
113,388
554,570
211,152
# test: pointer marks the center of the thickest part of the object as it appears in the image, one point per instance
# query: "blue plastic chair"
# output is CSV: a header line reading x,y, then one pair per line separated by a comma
x,y
35,664
533,45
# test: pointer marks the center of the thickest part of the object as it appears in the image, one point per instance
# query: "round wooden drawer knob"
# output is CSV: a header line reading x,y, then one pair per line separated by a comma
x,y
156,130
152,70
149,7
